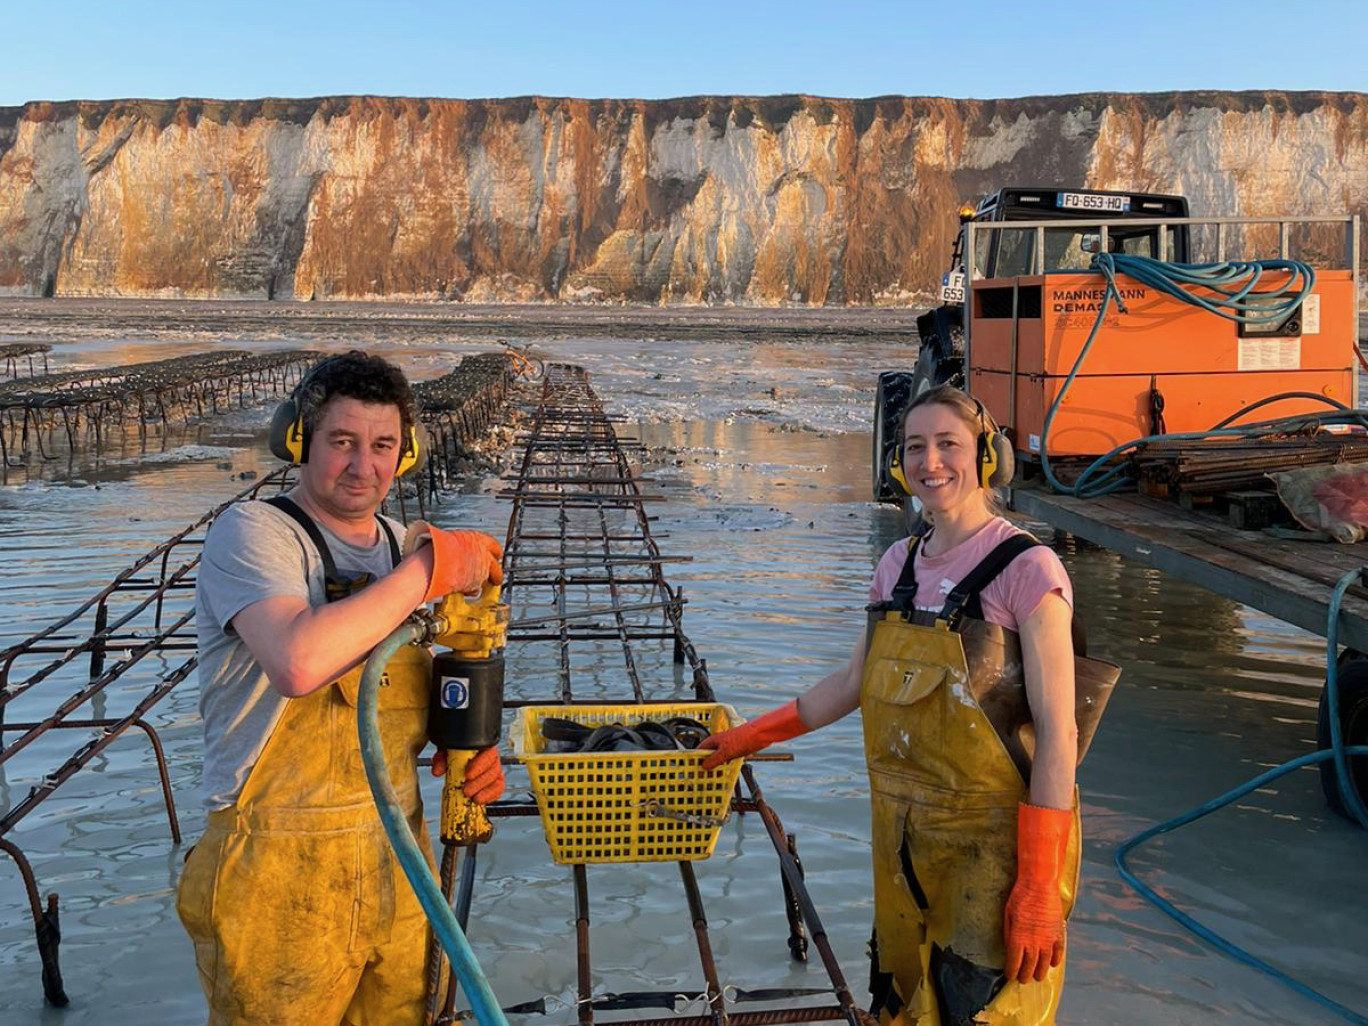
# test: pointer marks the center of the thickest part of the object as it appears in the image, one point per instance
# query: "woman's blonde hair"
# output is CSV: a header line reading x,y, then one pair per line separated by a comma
x,y
975,417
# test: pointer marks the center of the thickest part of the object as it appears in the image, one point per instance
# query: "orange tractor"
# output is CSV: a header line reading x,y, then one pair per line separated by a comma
x,y
1019,326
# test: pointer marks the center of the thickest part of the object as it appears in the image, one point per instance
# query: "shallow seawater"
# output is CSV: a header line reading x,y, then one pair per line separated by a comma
x,y
761,449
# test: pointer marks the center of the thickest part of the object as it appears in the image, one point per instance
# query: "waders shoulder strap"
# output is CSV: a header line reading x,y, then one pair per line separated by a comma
x,y
965,598
306,522
905,591
291,509
389,536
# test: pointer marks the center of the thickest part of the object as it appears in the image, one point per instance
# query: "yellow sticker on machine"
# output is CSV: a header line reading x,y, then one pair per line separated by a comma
x,y
1266,354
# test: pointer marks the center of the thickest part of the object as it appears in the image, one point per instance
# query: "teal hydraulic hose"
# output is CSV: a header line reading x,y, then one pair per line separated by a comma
x,y
1353,801
1337,751
410,856
1231,286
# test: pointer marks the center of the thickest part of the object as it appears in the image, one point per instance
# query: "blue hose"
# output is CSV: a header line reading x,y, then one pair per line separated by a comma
x,y
1352,800
1231,287
448,931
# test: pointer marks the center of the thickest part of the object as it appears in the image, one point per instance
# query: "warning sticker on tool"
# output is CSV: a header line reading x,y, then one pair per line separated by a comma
x,y
1266,354
455,693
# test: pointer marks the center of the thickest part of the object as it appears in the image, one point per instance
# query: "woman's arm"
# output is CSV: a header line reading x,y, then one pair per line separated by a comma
x,y
837,694
832,697
1047,658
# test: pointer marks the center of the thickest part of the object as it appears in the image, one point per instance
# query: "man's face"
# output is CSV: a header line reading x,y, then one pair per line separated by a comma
x,y
353,453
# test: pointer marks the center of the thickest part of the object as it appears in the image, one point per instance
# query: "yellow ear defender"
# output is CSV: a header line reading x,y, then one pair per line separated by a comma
x,y
996,461
895,470
289,440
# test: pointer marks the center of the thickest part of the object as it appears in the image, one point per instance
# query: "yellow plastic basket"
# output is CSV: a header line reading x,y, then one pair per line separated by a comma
x,y
627,806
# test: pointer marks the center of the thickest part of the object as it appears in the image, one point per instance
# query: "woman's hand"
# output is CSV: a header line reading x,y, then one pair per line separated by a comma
x,y
780,724
1033,921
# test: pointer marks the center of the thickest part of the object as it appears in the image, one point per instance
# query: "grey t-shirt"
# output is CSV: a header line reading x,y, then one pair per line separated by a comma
x,y
254,551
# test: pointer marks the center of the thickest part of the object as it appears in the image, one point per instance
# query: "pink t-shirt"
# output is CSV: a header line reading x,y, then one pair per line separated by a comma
x,y
1009,599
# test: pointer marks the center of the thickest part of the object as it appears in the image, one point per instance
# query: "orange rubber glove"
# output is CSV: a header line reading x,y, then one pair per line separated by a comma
x,y
780,724
484,782
1033,922
461,560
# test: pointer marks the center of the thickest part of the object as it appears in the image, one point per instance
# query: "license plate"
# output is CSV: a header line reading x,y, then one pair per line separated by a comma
x,y
952,287
1091,201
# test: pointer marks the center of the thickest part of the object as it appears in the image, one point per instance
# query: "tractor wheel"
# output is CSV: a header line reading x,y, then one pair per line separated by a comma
x,y
894,389
934,369
1353,710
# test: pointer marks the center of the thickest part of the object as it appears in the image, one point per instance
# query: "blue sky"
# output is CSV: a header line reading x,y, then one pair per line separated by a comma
x,y
248,48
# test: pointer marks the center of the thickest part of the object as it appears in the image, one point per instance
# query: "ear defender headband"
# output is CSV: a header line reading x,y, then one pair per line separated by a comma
x,y
996,461
289,438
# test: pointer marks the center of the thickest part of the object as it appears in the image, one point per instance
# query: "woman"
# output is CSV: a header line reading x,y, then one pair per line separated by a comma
x,y
965,680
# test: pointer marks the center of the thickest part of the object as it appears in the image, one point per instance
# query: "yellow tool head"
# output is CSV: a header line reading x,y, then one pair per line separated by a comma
x,y
473,627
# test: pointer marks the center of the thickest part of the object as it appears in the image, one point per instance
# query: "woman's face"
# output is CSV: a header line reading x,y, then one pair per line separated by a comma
x,y
940,458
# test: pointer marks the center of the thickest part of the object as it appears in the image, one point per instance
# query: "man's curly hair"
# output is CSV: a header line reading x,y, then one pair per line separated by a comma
x,y
354,375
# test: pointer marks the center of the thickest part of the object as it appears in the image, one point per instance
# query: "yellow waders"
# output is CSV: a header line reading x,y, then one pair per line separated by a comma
x,y
945,793
298,910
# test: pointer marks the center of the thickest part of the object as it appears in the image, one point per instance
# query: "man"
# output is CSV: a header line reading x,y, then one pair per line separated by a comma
x,y
298,910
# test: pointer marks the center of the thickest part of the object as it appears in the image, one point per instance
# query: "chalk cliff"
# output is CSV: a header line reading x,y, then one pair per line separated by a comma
x,y
700,200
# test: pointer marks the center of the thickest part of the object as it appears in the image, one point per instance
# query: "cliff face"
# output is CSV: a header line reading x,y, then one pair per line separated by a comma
x,y
704,200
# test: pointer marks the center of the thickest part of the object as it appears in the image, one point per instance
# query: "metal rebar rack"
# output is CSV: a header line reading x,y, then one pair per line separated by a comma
x,y
12,352
91,403
580,548
457,408
146,611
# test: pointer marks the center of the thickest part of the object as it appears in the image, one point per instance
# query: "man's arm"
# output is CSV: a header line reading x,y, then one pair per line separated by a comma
x,y
302,648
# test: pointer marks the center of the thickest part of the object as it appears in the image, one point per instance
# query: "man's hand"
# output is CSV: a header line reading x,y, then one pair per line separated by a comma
x,y
484,782
461,560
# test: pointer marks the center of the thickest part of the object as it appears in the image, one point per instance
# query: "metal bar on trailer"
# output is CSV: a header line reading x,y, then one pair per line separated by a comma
x,y
1354,269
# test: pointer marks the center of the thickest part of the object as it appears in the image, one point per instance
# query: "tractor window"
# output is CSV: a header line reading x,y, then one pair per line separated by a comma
x,y
981,242
1070,249
1064,249
1143,243
1015,252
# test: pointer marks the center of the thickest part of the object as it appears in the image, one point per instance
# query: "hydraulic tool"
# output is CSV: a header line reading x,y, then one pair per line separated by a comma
x,y
467,701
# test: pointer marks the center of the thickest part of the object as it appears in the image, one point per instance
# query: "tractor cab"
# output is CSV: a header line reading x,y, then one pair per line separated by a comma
x,y
1006,253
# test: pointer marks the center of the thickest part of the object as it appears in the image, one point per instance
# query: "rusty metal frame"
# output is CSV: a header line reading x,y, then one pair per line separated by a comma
x,y
87,405
573,473
75,650
12,352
